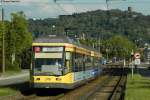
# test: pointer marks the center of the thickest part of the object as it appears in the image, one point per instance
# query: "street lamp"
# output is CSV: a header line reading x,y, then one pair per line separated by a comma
x,y
53,29
53,26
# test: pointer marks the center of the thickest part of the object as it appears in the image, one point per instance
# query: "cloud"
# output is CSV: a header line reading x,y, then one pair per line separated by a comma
x,y
89,7
41,11
30,1
47,8
73,8
67,8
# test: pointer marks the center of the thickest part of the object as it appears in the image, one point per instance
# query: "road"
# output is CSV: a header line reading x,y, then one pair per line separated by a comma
x,y
15,79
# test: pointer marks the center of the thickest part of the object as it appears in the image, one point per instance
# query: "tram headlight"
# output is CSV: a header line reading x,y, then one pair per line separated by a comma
x,y
58,79
38,79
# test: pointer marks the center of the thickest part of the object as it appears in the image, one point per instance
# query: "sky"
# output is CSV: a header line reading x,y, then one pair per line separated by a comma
x,y
50,9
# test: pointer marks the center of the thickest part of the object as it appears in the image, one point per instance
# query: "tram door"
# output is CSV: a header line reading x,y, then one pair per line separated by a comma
x,y
68,62
84,61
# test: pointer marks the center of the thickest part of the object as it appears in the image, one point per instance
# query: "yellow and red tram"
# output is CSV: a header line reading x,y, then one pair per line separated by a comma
x,y
59,62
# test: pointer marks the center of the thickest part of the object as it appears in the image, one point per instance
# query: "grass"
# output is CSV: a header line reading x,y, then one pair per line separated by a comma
x,y
6,91
137,88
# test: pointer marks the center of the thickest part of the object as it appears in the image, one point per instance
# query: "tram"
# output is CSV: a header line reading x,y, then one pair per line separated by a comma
x,y
61,62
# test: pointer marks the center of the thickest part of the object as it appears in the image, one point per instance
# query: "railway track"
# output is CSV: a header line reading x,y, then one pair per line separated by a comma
x,y
63,95
84,92
34,96
118,91
112,90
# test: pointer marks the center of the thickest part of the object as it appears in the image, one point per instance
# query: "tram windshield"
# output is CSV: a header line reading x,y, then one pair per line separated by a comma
x,y
48,66
49,61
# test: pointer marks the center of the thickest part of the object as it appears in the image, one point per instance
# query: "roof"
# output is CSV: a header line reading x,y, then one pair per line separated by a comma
x,y
53,39
61,39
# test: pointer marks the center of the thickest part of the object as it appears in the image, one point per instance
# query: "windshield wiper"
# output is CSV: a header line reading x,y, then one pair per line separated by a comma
x,y
44,73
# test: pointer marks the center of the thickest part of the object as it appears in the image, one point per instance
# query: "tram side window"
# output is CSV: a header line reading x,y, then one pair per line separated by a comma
x,y
68,61
96,62
78,62
92,63
88,62
75,68
75,63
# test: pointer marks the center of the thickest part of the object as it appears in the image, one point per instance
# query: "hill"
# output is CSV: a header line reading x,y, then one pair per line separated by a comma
x,y
97,24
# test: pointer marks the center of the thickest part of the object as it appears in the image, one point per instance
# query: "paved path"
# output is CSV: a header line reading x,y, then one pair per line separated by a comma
x,y
144,72
15,79
143,69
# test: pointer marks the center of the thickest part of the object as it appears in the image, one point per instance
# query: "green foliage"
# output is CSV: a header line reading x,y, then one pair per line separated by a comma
x,y
1,40
12,67
121,46
19,30
114,33
17,41
117,46
1,33
97,24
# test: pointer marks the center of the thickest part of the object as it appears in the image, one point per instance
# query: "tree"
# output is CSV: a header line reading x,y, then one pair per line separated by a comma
x,y
95,23
18,38
121,46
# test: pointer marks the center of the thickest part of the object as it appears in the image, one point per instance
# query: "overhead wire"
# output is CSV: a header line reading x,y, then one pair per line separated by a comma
x,y
75,4
79,2
91,2
62,9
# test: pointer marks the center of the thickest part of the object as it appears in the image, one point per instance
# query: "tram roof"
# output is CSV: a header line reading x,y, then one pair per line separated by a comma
x,y
61,39
52,39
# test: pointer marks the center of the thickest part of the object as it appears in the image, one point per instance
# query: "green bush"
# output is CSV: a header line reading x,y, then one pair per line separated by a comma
x,y
12,67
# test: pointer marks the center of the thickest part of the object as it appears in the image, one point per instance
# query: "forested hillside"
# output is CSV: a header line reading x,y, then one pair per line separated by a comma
x,y
115,33
97,24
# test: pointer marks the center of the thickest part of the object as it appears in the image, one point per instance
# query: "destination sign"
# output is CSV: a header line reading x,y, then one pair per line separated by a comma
x,y
52,49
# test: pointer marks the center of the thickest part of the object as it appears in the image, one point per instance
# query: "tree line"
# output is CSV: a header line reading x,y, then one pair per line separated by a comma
x,y
114,32
17,42
94,24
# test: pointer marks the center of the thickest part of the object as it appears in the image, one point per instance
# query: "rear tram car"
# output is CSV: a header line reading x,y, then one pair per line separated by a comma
x,y
60,62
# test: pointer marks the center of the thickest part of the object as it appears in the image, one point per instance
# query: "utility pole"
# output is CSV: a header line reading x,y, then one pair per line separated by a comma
x,y
3,43
107,5
132,61
3,32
